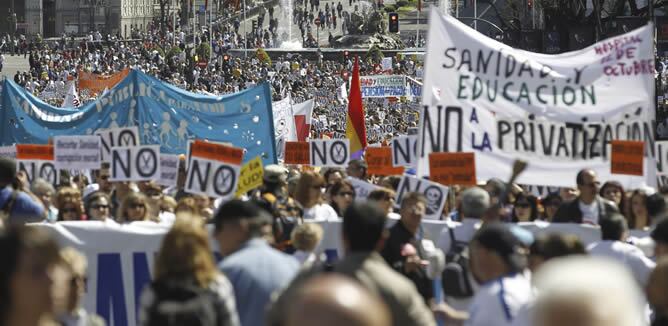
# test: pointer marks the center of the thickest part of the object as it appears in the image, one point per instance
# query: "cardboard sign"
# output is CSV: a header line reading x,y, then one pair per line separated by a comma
x,y
169,170
452,168
362,188
37,162
330,152
297,152
114,137
135,163
8,151
213,170
404,149
627,157
435,193
251,176
379,160
77,152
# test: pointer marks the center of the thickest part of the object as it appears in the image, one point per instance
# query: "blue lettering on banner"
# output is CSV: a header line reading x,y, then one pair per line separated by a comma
x,y
142,277
383,91
110,291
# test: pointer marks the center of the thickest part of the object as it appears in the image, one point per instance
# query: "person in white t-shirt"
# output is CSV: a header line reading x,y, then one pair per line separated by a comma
x,y
309,194
588,207
614,231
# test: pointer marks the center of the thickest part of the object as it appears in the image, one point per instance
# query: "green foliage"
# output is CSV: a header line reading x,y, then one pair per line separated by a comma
x,y
401,3
204,51
390,8
174,51
374,54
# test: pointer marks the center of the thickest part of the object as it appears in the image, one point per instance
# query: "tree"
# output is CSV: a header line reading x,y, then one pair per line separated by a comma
x,y
165,7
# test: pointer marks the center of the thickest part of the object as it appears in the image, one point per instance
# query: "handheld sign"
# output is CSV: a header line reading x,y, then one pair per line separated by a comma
x,y
114,137
452,168
379,161
404,151
435,193
250,176
330,152
362,188
660,147
627,157
8,151
135,163
214,169
169,170
37,162
77,152
297,152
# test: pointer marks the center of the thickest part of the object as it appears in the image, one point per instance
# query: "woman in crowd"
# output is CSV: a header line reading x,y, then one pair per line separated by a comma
x,y
187,205
333,175
98,206
28,258
306,238
309,194
185,265
525,208
384,198
135,208
551,204
44,191
341,196
614,192
637,216
69,205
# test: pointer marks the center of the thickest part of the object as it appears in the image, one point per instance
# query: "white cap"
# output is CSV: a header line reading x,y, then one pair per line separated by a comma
x,y
91,188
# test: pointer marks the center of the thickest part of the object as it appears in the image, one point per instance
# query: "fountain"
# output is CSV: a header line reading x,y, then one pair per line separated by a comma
x,y
285,27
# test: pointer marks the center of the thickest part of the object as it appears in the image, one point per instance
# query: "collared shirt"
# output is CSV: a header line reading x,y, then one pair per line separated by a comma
x,y
627,254
256,270
499,301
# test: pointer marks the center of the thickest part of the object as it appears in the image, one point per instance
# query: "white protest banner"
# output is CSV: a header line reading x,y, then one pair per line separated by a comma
x,y
284,125
362,188
135,163
403,150
557,112
113,137
330,152
383,86
435,193
77,152
8,151
37,162
386,63
169,170
214,169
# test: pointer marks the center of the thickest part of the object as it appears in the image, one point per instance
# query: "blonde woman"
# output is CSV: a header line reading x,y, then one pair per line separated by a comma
x,y
188,289
135,208
309,194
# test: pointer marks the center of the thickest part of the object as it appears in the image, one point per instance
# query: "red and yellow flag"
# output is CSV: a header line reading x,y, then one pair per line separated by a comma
x,y
355,127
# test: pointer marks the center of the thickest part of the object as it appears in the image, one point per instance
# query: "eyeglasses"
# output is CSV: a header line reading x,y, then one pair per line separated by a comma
x,y
135,206
593,184
68,210
104,177
99,206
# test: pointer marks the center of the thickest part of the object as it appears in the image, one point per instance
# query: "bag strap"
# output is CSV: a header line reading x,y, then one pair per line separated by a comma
x,y
7,208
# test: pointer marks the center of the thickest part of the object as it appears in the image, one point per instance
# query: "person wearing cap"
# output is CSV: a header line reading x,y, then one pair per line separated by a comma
x,y
285,210
254,268
660,237
17,205
357,169
588,207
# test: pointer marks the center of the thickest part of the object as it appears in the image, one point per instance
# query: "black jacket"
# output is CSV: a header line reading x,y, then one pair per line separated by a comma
x,y
569,212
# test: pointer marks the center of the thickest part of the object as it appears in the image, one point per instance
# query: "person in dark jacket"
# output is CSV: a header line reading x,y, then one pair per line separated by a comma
x,y
588,207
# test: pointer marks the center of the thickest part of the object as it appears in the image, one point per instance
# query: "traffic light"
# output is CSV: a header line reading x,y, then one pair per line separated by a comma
x,y
530,4
346,56
394,22
254,25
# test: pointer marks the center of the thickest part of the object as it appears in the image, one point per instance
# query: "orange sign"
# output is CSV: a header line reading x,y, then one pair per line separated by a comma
x,y
452,168
297,152
627,157
95,83
34,152
379,161
217,152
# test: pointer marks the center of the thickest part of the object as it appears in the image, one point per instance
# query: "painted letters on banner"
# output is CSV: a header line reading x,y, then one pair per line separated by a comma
x,y
435,193
403,150
362,188
113,137
213,169
96,84
330,152
135,163
169,170
250,176
77,152
8,151
37,162
557,112
383,86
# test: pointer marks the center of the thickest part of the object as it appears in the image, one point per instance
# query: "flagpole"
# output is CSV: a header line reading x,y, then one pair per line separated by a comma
x,y
417,30
475,14
210,31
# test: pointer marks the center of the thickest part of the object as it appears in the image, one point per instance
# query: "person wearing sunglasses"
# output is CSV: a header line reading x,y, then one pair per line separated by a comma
x,y
342,194
551,204
525,208
309,194
135,208
98,206
69,205
588,207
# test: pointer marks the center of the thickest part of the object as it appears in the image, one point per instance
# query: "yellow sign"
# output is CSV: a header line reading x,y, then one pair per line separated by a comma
x,y
250,176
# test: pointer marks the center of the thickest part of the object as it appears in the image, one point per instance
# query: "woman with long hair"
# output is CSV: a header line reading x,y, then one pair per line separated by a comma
x,y
614,192
638,218
98,206
341,194
69,204
135,208
525,208
309,194
186,274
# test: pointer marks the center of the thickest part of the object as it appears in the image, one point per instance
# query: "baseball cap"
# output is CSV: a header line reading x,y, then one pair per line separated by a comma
x,y
500,239
274,173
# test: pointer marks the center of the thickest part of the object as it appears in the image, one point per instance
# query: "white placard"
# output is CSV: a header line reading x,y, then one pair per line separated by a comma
x,y
169,170
435,193
8,151
362,188
114,137
39,169
135,163
77,152
330,152
212,178
404,150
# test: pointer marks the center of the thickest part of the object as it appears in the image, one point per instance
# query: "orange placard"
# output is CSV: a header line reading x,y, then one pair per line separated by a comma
x,y
627,157
379,161
34,152
452,168
297,152
95,83
217,152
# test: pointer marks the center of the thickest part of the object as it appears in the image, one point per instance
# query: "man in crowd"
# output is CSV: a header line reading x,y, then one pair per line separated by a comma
x,y
614,231
76,266
660,237
404,250
588,207
17,205
254,268
357,169
363,235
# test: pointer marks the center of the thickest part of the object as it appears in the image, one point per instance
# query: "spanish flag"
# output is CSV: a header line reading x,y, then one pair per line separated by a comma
x,y
355,127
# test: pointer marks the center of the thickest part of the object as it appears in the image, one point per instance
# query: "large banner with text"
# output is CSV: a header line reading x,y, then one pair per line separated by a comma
x,y
560,112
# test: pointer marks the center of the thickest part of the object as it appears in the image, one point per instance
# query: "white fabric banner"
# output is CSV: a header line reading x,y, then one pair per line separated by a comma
x,y
284,125
557,112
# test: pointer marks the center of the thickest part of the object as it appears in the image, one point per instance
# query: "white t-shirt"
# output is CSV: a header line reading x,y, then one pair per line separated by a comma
x,y
321,212
498,302
589,212
631,256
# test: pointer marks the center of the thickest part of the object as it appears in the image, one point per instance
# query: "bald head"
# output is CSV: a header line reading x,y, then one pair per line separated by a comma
x,y
334,300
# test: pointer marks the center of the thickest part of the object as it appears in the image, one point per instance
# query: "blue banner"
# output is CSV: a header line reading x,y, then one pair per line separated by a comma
x,y
164,114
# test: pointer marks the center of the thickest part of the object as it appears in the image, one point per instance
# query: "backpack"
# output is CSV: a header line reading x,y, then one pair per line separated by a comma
x,y
183,304
455,279
287,216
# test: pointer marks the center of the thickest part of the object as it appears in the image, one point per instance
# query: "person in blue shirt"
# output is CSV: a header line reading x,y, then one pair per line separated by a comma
x,y
16,204
253,267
